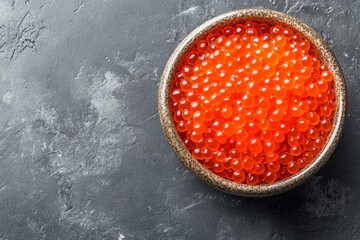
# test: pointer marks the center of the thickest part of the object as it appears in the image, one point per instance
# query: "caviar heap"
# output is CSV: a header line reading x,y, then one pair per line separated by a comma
x,y
253,103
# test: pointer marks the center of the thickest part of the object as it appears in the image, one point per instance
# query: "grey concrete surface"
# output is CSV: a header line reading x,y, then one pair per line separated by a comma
x,y
82,153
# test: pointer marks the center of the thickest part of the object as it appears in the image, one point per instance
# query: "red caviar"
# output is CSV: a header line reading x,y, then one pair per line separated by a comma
x,y
253,103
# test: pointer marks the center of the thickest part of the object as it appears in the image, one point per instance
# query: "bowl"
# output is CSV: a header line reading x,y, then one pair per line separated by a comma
x,y
324,53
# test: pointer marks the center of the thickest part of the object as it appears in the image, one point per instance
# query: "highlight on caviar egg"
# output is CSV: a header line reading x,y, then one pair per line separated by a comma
x,y
253,103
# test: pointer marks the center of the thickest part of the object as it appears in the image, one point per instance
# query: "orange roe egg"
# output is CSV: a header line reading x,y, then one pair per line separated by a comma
x,y
253,103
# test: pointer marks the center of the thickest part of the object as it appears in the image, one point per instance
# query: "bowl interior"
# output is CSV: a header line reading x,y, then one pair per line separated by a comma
x,y
272,18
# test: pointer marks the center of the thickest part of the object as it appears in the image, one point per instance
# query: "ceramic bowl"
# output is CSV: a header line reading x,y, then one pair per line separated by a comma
x,y
241,16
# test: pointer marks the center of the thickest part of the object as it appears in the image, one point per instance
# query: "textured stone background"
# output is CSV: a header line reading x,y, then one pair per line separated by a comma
x,y
82,153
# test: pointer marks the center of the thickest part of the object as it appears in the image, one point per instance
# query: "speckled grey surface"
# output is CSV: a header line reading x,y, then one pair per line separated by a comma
x,y
82,153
